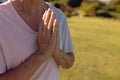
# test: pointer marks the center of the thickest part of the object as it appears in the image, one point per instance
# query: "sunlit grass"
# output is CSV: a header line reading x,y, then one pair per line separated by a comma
x,y
97,49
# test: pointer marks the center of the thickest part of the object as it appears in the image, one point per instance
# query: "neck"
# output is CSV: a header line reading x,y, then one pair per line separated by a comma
x,y
29,6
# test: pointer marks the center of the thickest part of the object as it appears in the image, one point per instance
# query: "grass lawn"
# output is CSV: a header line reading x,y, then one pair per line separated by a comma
x,y
97,49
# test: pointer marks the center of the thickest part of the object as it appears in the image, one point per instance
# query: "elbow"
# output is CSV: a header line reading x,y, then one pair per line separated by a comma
x,y
69,64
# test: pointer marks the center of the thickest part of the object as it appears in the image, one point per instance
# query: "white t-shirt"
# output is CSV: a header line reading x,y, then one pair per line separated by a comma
x,y
18,42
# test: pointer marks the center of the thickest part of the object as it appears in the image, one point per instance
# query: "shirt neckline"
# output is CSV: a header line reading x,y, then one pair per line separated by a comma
x,y
20,18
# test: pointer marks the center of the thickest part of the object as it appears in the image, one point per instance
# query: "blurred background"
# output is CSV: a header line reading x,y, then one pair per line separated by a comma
x,y
95,31
99,8
91,8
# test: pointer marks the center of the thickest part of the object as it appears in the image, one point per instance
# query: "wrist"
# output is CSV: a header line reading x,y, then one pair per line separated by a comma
x,y
44,55
57,53
41,55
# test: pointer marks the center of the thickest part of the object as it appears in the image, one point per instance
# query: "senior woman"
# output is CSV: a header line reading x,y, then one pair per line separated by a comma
x,y
34,41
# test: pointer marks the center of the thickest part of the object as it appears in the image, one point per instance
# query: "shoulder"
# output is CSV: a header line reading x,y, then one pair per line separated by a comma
x,y
4,5
58,12
4,14
5,10
60,17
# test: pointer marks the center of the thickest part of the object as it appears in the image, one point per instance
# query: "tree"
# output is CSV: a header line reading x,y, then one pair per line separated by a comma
x,y
115,5
74,3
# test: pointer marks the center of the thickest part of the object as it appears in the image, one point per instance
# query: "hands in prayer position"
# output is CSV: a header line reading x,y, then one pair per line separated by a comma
x,y
48,37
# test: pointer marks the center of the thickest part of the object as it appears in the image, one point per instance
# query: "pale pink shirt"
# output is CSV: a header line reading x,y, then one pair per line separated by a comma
x,y
18,42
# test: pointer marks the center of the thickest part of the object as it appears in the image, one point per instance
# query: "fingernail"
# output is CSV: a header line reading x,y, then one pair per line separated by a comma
x,y
52,13
45,11
49,9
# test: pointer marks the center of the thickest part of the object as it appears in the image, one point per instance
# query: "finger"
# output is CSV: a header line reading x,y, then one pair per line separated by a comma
x,y
47,17
44,34
47,22
53,39
40,33
41,24
44,27
54,32
58,35
51,21
43,18
55,27
48,38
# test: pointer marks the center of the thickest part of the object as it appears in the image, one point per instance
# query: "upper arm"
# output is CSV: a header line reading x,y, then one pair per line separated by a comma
x,y
68,46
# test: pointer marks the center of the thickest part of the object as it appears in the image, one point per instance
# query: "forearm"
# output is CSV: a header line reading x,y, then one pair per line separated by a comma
x,y
46,43
64,60
25,70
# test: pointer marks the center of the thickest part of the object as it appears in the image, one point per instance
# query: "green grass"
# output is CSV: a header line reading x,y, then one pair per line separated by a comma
x,y
97,49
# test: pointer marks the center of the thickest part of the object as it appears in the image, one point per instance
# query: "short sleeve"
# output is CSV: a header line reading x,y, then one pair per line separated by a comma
x,y
67,41
2,62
